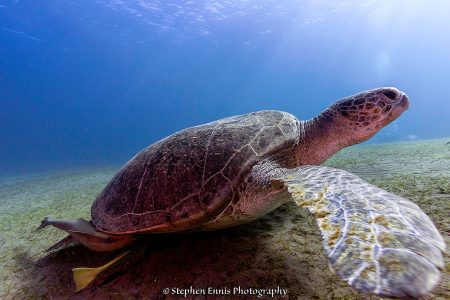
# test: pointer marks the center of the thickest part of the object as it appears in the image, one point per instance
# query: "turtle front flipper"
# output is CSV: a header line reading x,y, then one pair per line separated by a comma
x,y
378,242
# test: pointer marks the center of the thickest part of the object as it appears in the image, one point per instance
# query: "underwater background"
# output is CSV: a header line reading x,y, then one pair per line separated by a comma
x,y
85,85
90,83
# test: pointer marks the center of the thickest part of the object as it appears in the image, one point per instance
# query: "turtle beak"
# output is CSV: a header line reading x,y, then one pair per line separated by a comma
x,y
403,101
400,105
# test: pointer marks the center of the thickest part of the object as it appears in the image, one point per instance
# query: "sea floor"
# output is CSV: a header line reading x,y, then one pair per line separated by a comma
x,y
282,249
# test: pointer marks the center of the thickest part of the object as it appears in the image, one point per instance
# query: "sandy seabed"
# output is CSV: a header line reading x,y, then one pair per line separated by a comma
x,y
281,250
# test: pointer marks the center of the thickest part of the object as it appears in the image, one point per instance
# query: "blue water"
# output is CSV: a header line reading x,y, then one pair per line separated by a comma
x,y
86,83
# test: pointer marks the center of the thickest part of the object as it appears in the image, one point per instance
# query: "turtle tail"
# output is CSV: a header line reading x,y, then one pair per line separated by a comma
x,y
84,276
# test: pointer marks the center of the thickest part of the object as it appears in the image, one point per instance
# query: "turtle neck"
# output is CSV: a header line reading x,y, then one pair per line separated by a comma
x,y
320,138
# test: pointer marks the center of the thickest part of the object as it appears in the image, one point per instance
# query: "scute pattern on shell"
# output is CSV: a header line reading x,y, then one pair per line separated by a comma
x,y
189,177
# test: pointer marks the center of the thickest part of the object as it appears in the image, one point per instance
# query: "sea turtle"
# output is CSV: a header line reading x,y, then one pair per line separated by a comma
x,y
234,170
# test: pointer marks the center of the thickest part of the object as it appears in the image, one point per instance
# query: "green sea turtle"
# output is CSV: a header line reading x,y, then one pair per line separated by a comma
x,y
236,169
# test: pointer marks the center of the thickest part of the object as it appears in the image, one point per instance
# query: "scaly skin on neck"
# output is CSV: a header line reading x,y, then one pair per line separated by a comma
x,y
320,138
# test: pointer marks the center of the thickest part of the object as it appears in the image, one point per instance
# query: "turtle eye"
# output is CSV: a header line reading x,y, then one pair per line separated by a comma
x,y
390,94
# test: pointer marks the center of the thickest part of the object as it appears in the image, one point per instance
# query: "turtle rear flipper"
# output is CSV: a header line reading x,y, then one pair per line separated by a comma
x,y
62,243
85,233
378,242
65,242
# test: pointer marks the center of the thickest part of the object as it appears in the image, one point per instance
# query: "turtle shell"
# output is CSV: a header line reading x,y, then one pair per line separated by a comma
x,y
188,178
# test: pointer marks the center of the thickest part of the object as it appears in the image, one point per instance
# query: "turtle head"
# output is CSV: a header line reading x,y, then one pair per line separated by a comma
x,y
360,116
349,121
